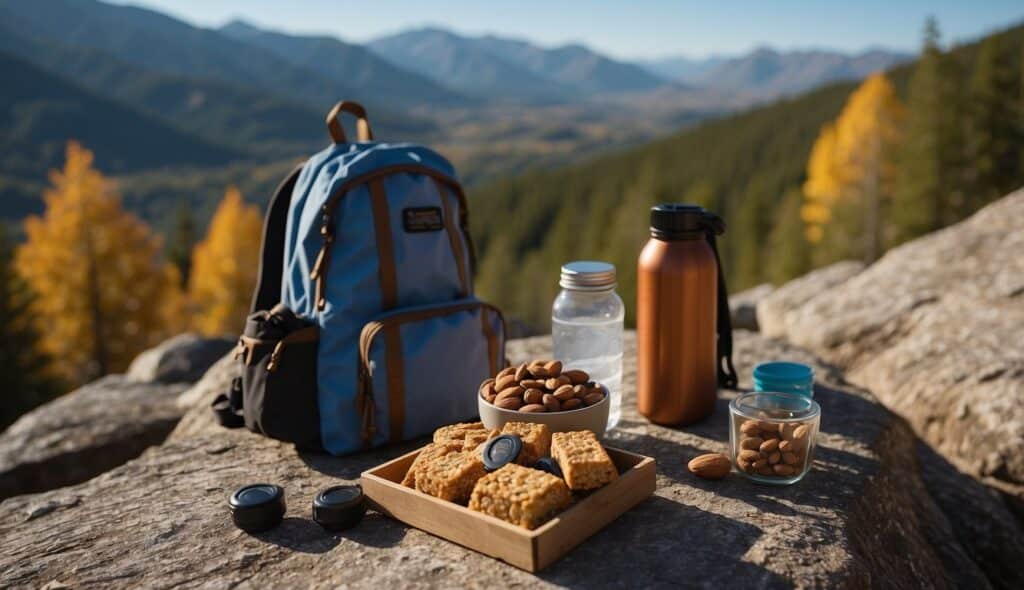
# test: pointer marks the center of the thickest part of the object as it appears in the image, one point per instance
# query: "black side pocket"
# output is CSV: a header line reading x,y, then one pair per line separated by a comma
x,y
279,384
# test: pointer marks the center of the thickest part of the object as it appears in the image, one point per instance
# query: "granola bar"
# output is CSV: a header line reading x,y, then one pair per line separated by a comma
x,y
451,476
457,432
428,454
536,440
520,495
584,462
475,438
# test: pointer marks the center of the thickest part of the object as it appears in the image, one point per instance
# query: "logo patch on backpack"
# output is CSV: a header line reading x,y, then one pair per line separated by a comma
x,y
422,219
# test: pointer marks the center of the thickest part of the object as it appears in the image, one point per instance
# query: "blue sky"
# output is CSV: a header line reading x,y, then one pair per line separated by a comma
x,y
639,28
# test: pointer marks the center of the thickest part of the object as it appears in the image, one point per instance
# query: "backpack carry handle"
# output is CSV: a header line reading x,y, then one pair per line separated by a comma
x,y
362,123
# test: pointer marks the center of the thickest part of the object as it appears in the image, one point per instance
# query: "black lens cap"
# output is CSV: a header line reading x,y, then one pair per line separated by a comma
x,y
339,507
257,507
501,450
550,465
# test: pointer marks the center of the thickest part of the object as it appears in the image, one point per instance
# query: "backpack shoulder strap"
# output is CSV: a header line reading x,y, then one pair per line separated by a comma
x,y
268,284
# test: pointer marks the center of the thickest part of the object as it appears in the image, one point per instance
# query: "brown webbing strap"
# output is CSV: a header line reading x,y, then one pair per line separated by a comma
x,y
453,238
337,132
396,382
385,247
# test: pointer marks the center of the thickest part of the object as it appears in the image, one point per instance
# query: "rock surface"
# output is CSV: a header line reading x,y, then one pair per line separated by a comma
x,y
774,310
182,359
864,516
934,328
743,306
84,433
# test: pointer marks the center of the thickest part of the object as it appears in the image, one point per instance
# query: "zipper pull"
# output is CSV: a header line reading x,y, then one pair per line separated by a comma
x,y
275,357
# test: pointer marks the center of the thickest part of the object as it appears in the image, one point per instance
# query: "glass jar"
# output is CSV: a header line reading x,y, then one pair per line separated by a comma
x,y
586,327
772,436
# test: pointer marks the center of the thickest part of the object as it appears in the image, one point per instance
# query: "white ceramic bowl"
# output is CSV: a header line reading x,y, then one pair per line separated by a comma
x,y
593,418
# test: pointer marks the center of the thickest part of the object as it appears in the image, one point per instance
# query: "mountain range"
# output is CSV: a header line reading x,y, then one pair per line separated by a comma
x,y
209,98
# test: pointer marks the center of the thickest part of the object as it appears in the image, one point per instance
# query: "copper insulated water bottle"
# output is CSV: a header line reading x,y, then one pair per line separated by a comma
x,y
677,307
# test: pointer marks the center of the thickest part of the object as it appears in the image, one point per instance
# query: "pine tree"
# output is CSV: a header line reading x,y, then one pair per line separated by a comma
x,y
96,273
25,370
929,187
789,253
183,240
851,169
994,125
224,267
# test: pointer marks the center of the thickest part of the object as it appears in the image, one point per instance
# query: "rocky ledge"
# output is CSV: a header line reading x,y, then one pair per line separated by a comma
x,y
877,509
934,329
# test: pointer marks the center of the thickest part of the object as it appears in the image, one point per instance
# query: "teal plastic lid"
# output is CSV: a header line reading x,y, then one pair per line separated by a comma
x,y
782,371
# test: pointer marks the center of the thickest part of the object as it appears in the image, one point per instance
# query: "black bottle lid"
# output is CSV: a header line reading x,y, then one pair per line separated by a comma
x,y
682,221
339,507
257,507
549,465
501,450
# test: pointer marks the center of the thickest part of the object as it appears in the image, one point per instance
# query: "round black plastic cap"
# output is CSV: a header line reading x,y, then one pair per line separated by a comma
x,y
677,221
339,507
501,450
257,507
549,465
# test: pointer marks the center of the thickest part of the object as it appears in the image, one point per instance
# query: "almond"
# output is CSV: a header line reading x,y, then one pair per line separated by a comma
x,y
801,432
571,404
787,446
769,445
554,383
509,403
505,371
753,443
783,470
749,427
539,371
593,398
487,390
760,463
790,458
533,408
532,383
579,390
533,396
501,383
775,457
521,373
554,368
564,393
765,470
749,455
710,466
514,391
576,376
551,403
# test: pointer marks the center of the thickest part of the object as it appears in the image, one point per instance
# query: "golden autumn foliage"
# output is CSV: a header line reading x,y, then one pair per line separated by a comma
x,y
224,267
96,271
851,163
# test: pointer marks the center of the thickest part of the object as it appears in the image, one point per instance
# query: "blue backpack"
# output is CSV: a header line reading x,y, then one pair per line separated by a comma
x,y
367,265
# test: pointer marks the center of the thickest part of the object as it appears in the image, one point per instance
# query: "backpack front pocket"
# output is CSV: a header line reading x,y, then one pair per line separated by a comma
x,y
279,386
420,368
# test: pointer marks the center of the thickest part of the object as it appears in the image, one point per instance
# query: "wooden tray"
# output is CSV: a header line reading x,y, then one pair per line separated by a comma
x,y
530,550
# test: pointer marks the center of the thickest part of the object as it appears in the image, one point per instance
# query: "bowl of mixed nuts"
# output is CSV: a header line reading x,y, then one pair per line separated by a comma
x,y
544,392
772,436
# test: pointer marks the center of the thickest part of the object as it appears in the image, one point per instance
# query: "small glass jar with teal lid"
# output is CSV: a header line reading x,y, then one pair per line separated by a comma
x,y
784,377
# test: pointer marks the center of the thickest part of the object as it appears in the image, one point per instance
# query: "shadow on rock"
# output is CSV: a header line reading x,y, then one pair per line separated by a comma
x,y
301,535
662,543
376,530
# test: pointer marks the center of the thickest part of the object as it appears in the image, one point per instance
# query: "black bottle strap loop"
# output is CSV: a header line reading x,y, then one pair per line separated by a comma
x,y
715,226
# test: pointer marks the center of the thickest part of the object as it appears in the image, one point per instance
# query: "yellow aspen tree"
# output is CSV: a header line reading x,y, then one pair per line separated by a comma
x,y
854,168
96,271
224,267
822,188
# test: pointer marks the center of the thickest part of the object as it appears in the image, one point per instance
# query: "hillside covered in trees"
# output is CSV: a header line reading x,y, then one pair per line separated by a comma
x,y
957,118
